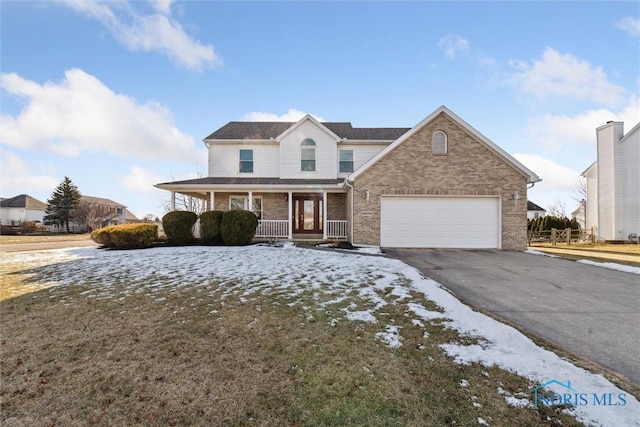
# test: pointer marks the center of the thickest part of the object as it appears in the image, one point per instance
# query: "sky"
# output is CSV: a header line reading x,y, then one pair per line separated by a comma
x,y
119,95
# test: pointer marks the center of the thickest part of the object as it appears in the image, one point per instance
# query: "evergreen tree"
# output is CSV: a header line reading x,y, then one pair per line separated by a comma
x,y
64,199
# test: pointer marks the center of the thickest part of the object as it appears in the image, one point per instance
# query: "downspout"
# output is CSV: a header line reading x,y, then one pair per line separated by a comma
x,y
346,182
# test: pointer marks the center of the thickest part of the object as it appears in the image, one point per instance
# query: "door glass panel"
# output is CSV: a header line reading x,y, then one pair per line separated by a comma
x,y
296,215
308,214
320,212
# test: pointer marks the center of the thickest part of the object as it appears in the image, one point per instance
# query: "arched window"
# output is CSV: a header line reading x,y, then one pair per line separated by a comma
x,y
439,142
308,155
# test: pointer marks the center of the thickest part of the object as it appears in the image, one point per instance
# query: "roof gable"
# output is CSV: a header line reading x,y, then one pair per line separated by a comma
x,y
23,201
533,207
308,118
531,177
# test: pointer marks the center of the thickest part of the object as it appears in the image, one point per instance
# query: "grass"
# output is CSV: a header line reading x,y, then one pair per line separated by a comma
x,y
626,249
44,238
196,356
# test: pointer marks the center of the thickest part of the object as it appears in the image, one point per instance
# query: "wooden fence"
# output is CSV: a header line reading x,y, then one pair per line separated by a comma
x,y
555,235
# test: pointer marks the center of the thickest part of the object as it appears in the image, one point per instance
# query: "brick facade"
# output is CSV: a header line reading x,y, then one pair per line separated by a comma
x,y
469,168
275,206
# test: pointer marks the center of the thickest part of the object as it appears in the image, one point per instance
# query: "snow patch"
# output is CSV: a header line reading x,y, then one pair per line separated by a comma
x,y
612,266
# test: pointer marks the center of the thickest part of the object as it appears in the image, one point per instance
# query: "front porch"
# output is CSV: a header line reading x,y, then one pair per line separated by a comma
x,y
296,216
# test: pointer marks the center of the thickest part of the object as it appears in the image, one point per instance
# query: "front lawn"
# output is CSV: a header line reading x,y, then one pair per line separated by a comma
x,y
259,335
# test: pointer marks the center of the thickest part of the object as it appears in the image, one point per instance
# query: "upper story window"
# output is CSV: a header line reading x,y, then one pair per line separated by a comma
x,y
346,161
246,161
308,155
439,142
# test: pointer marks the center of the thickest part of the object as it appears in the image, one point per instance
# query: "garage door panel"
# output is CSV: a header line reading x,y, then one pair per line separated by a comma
x,y
439,222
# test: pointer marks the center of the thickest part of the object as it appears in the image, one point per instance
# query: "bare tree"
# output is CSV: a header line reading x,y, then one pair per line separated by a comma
x,y
94,215
187,203
579,192
557,209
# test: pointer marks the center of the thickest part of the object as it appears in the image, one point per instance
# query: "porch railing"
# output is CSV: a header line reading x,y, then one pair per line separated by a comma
x,y
273,229
336,229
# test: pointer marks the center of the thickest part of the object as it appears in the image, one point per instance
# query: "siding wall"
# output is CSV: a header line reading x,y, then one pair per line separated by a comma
x,y
609,171
630,201
224,160
592,199
326,153
361,154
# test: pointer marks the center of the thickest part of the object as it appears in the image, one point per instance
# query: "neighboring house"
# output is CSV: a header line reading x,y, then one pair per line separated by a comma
x,y
613,183
580,215
534,211
130,218
438,184
93,213
22,208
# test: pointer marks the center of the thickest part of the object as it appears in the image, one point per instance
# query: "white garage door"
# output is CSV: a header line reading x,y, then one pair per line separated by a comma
x,y
439,222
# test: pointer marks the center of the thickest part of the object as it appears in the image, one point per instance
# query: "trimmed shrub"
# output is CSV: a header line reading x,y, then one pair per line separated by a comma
x,y
126,236
178,226
133,236
238,227
210,226
102,236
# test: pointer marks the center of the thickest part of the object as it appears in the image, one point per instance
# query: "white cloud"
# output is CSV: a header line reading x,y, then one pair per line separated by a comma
x,y
452,44
558,181
141,180
560,131
157,31
17,178
554,176
292,115
629,25
82,114
565,75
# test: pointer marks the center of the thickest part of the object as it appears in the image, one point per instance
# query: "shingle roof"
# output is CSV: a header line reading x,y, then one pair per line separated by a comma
x,y
23,201
533,207
101,201
253,181
268,130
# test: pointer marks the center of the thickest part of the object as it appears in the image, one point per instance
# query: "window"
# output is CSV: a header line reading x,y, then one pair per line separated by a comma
x,y
439,142
242,203
346,161
308,155
246,161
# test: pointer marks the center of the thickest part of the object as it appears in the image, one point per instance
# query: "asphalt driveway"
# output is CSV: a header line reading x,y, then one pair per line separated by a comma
x,y
591,311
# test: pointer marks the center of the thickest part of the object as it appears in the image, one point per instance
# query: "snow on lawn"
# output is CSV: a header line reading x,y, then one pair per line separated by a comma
x,y
612,266
330,278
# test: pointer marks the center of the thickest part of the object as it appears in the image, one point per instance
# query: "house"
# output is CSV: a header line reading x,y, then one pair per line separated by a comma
x,y
613,183
438,184
579,215
21,208
534,211
94,212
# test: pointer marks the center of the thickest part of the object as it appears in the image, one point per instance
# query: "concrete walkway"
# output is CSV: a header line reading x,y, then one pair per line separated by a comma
x,y
590,311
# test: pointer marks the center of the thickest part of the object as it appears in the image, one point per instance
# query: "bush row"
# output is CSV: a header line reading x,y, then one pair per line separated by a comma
x,y
230,228
126,236
235,227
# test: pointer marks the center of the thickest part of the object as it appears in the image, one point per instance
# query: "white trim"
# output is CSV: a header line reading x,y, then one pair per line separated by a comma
x,y
310,118
290,213
531,177
324,215
240,160
422,196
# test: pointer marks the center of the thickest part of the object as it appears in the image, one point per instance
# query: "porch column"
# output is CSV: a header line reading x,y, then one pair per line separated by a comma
x,y
290,203
250,207
324,215
173,201
212,201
